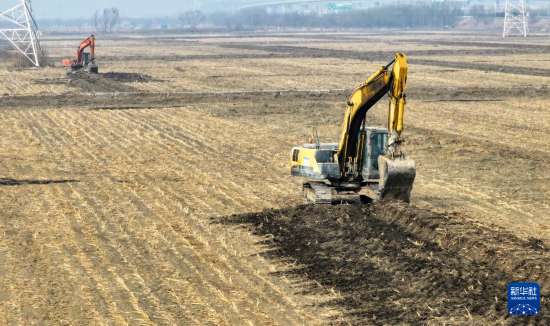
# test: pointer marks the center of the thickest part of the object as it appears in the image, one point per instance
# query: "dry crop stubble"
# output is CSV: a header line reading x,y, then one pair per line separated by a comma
x,y
128,223
505,60
212,195
139,194
143,207
107,278
133,211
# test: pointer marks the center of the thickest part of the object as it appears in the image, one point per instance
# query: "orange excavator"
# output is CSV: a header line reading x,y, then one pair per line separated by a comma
x,y
83,60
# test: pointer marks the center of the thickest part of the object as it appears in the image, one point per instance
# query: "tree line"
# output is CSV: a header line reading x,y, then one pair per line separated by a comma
x,y
107,21
388,16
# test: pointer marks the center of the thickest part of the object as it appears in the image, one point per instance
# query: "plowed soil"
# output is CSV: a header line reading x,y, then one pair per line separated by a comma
x,y
391,263
89,82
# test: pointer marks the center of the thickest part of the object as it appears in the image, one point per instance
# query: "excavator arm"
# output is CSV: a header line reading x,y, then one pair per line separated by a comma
x,y
397,106
89,42
397,173
361,101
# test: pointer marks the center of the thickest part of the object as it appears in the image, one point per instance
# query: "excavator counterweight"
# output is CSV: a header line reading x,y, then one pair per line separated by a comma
x,y
367,164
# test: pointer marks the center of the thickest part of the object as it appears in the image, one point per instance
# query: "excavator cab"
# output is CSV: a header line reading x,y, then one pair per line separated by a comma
x,y
382,177
377,140
87,57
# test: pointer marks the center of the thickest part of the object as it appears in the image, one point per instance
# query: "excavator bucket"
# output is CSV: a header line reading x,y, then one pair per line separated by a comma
x,y
92,68
396,178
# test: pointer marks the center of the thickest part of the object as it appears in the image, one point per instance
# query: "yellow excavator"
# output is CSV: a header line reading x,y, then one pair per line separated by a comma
x,y
367,164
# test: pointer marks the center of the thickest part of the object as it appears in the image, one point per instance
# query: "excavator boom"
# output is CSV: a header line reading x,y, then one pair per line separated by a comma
x,y
360,102
89,42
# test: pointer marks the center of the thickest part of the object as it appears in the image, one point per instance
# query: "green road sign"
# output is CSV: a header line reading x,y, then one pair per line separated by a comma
x,y
340,6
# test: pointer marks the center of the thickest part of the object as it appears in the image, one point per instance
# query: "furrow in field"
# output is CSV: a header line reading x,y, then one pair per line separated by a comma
x,y
152,279
13,258
142,273
108,280
146,219
46,261
198,134
139,240
196,227
210,130
492,121
195,156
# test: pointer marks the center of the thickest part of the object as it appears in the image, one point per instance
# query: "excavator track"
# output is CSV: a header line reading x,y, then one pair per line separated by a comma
x,y
318,192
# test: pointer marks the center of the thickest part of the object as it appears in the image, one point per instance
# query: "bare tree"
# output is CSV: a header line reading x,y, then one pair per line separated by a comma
x,y
191,19
478,12
105,20
114,18
109,20
96,20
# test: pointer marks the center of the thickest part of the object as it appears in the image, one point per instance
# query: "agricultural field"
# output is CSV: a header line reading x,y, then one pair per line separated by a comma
x,y
158,192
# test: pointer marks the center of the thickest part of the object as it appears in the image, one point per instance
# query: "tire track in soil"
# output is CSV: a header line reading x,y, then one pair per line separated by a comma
x,y
50,275
139,246
124,304
123,151
230,269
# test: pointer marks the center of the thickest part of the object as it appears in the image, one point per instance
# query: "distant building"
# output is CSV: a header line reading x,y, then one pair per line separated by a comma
x,y
126,24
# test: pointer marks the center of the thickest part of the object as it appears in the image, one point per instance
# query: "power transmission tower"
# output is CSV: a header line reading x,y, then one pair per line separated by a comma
x,y
23,32
514,17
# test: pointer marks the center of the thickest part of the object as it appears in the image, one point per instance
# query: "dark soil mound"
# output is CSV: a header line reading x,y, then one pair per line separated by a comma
x,y
89,82
126,77
396,264
50,81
